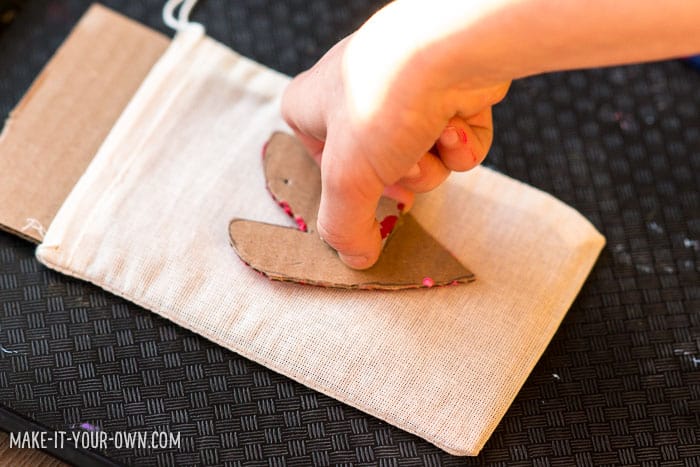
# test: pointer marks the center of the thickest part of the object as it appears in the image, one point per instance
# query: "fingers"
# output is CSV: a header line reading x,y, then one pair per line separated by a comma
x,y
401,195
352,188
301,107
304,102
464,144
357,170
481,133
346,217
427,174
467,138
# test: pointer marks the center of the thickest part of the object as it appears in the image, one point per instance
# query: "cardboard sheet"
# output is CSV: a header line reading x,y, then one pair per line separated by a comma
x,y
411,257
56,129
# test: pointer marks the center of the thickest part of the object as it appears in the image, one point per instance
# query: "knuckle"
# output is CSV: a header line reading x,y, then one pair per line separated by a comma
x,y
339,238
332,235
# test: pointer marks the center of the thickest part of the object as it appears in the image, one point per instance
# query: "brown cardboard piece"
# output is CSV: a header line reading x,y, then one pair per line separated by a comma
x,y
294,181
411,258
52,135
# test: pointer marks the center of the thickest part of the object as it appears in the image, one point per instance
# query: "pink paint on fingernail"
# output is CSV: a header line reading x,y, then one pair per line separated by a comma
x,y
428,282
387,225
462,135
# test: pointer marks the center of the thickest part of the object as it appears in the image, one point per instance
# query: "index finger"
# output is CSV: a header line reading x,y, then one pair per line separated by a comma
x,y
350,192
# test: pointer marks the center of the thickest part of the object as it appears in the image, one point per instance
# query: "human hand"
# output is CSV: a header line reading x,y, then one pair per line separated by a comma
x,y
420,74
379,126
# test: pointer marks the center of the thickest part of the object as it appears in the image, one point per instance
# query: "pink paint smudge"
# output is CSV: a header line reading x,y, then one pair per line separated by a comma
x,y
428,282
301,223
85,426
387,225
287,209
89,427
462,135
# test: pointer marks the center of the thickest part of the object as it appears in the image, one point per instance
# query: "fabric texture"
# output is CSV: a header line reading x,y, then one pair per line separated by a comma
x,y
149,222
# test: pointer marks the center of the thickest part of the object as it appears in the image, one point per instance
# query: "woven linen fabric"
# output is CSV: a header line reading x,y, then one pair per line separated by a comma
x,y
148,221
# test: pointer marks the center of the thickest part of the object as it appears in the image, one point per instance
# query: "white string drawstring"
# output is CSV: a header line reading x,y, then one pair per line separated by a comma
x,y
183,15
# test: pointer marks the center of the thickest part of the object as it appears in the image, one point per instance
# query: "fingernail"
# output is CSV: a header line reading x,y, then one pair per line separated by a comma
x,y
355,262
452,135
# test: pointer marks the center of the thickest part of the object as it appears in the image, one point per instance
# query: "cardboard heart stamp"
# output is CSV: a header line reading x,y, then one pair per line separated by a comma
x,y
411,257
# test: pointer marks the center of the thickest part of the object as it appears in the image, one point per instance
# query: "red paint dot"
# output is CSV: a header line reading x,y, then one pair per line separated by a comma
x,y
400,207
301,223
428,282
387,225
285,205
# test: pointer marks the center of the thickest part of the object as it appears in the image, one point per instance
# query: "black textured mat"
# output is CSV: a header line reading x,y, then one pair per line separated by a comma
x,y
619,384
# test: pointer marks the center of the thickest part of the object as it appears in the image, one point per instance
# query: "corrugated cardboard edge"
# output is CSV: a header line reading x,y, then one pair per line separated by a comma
x,y
54,132
412,260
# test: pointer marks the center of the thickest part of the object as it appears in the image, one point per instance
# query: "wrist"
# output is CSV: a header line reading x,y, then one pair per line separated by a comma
x,y
446,42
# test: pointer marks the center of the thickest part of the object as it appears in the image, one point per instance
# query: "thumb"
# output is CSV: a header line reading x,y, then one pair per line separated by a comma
x,y
350,193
